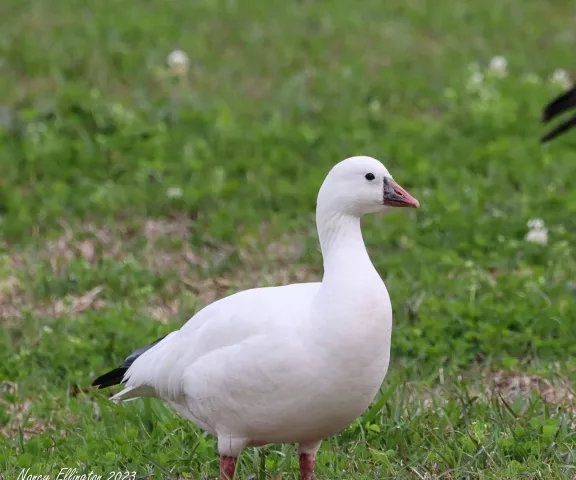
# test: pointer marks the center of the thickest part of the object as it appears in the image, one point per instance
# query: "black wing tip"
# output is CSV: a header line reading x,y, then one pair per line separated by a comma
x,y
116,376
559,105
113,377
559,130
548,137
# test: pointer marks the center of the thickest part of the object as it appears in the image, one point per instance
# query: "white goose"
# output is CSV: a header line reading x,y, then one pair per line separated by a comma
x,y
297,363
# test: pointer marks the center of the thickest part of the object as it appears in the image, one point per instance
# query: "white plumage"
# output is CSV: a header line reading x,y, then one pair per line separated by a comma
x,y
296,363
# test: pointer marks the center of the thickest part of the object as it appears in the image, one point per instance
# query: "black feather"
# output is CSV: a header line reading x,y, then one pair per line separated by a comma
x,y
113,377
559,105
560,129
116,376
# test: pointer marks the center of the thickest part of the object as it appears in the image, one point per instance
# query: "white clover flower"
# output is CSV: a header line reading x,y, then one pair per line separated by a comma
x,y
561,78
537,232
475,81
178,62
536,223
374,106
174,192
499,65
537,236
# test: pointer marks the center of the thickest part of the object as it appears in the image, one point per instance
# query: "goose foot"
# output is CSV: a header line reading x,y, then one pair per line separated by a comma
x,y
307,461
227,467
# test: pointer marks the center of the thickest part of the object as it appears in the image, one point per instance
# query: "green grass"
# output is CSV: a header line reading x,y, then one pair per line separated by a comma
x,y
98,259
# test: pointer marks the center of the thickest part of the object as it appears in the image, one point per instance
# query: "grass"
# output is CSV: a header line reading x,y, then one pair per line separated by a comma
x,y
130,198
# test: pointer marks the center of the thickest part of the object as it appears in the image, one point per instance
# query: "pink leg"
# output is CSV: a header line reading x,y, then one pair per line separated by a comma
x,y
307,461
227,467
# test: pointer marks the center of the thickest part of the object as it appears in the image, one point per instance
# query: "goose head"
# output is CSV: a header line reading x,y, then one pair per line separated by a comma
x,y
361,185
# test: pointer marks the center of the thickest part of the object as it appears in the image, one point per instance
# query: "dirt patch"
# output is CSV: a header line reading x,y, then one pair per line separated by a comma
x,y
21,421
163,247
12,295
513,385
507,386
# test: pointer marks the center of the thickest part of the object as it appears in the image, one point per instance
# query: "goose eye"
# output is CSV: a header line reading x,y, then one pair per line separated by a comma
x,y
369,177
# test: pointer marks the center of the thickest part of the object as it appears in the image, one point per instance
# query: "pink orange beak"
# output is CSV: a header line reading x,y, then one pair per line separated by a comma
x,y
396,196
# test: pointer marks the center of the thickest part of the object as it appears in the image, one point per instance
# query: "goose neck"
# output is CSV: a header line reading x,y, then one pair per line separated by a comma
x,y
341,242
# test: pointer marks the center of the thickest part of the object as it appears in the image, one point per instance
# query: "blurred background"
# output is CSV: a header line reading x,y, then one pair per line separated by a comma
x,y
155,156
